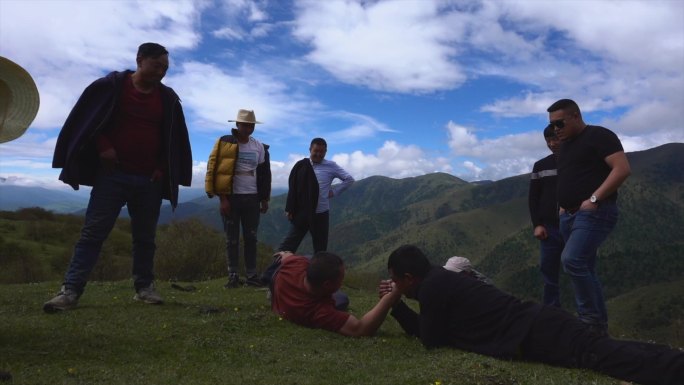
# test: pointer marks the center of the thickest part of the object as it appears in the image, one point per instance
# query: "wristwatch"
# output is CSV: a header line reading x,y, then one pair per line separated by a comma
x,y
593,199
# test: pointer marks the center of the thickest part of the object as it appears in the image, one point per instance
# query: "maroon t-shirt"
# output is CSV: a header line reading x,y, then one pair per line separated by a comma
x,y
292,301
136,131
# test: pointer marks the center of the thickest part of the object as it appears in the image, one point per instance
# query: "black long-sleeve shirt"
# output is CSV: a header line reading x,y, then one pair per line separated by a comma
x,y
459,311
542,197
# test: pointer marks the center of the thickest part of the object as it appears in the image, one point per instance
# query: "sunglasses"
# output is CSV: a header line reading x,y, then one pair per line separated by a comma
x,y
560,123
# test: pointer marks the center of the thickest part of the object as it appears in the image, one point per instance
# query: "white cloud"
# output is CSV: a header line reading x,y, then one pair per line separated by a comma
x,y
396,46
393,160
622,62
66,44
215,95
494,158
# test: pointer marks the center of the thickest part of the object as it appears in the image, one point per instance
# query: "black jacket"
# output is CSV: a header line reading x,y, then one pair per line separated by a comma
x,y
302,195
460,311
76,152
542,197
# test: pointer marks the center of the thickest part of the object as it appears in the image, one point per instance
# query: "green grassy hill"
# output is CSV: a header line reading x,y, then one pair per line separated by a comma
x,y
219,336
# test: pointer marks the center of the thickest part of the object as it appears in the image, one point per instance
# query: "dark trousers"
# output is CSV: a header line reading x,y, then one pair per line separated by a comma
x,y
549,265
558,338
111,192
300,225
244,210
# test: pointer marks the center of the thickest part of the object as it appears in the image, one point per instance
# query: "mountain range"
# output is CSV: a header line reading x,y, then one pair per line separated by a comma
x,y
440,213
641,264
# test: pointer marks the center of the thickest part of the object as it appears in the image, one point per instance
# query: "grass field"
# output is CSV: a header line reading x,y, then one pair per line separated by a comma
x,y
219,336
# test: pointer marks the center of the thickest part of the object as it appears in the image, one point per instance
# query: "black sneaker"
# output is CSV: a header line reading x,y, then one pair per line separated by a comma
x,y
233,281
254,281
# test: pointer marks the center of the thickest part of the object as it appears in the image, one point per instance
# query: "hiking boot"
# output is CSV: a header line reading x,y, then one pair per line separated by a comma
x,y
254,281
64,300
233,281
149,295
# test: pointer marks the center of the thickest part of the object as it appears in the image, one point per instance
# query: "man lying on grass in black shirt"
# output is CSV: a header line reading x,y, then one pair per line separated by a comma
x,y
460,311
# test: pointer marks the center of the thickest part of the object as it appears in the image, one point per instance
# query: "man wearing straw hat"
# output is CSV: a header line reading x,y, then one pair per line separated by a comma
x,y
126,136
239,172
19,100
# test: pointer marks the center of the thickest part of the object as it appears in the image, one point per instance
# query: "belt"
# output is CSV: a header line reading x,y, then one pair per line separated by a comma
x,y
571,210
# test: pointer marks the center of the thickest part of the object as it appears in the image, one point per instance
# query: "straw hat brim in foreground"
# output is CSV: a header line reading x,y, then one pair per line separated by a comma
x,y
19,100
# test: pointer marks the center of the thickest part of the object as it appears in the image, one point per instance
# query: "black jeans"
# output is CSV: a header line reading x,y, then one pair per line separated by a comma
x,y
300,225
244,210
558,338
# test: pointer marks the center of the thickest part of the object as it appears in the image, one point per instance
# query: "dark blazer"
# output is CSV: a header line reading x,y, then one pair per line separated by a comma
x,y
302,195
76,152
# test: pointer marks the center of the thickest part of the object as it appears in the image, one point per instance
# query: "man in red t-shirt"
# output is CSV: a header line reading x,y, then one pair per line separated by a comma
x,y
303,293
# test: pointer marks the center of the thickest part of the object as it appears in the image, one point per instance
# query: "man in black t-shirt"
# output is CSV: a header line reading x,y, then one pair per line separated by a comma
x,y
543,205
457,310
591,166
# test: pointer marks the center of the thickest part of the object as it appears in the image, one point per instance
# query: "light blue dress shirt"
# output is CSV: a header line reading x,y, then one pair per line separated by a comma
x,y
326,172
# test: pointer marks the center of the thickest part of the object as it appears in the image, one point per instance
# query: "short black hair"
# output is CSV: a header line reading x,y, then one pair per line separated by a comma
x,y
549,131
324,266
318,141
408,259
152,50
568,105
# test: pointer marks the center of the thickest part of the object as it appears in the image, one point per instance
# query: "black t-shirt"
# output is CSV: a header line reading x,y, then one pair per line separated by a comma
x,y
460,311
582,167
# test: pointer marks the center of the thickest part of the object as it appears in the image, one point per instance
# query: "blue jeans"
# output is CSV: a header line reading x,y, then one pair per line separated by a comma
x,y
110,192
245,211
583,233
549,265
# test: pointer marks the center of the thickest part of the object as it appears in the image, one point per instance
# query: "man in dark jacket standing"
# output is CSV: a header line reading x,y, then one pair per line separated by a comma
x,y
308,197
126,137
543,205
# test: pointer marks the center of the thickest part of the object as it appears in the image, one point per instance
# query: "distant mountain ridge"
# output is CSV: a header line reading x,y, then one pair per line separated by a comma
x,y
16,197
489,223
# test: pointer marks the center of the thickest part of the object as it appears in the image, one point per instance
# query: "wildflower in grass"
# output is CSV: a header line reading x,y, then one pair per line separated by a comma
x,y
71,371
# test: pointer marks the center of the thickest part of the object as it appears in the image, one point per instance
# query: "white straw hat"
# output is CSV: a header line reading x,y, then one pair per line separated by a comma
x,y
245,116
19,100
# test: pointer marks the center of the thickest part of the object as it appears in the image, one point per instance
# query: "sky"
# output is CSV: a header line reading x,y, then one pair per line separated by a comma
x,y
398,88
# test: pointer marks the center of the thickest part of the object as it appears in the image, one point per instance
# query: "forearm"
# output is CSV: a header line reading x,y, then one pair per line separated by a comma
x,y
619,171
407,318
614,180
371,321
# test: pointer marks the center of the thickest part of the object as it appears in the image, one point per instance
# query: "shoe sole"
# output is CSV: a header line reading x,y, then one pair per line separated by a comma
x,y
136,298
52,309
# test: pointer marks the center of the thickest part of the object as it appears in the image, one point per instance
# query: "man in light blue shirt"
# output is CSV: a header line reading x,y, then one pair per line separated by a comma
x,y
308,197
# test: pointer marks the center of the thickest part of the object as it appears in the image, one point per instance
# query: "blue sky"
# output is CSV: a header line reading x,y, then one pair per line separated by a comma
x,y
398,88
